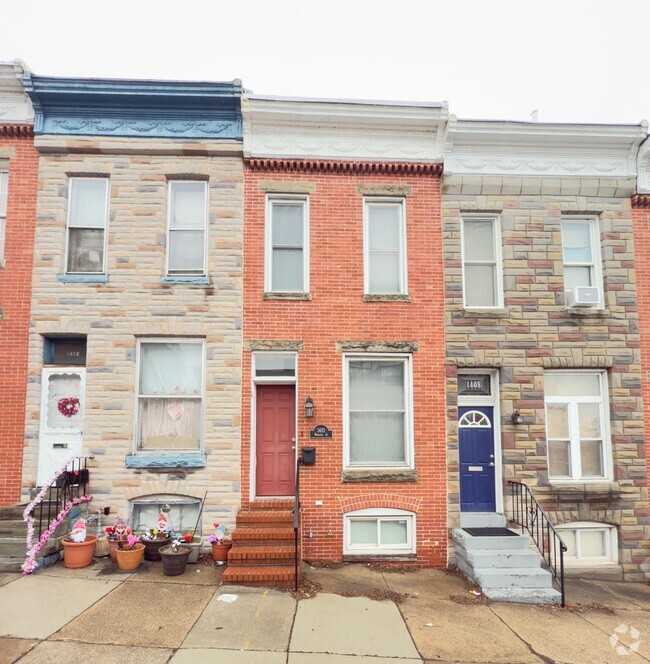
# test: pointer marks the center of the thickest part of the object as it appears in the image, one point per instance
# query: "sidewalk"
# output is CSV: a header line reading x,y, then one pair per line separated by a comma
x,y
351,614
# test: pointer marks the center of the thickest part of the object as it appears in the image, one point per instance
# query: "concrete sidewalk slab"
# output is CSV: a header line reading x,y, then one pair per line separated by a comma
x,y
8,577
560,635
203,575
623,622
12,649
141,614
56,652
353,578
351,626
465,633
99,569
27,609
211,655
612,594
326,658
430,583
260,619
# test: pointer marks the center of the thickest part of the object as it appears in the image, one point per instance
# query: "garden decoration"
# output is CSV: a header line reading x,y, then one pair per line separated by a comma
x,y
129,553
116,533
79,547
220,545
155,538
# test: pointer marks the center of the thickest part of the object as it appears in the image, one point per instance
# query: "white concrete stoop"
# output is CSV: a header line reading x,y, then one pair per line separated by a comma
x,y
504,568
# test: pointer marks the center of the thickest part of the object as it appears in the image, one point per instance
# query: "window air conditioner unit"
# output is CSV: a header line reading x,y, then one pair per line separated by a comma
x,y
582,296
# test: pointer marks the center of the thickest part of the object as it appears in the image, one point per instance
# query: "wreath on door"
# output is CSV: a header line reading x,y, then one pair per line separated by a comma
x,y
68,406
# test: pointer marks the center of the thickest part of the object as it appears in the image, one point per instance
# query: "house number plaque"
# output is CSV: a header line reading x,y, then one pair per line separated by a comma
x,y
474,384
320,431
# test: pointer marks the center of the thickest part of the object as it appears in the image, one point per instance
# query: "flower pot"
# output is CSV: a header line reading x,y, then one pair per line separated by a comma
x,y
101,548
112,547
220,551
174,562
152,547
129,559
79,554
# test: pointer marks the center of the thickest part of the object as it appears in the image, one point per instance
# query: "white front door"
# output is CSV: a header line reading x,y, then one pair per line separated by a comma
x,y
62,411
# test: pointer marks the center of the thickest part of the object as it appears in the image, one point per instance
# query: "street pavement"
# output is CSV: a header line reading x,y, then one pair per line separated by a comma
x,y
348,614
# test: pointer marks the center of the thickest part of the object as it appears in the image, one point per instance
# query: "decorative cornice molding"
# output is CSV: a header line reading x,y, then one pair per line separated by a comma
x,y
641,201
16,130
15,107
643,168
342,167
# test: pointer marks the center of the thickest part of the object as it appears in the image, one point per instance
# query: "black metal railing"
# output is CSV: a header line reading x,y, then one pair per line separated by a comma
x,y
296,525
71,484
528,513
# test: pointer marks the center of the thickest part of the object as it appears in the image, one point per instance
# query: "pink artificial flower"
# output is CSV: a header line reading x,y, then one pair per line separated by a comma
x,y
131,539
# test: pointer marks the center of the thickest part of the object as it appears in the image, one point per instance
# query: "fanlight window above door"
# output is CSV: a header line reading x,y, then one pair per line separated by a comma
x,y
474,419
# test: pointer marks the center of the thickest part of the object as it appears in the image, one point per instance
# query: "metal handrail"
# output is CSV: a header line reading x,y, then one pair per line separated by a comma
x,y
529,514
296,523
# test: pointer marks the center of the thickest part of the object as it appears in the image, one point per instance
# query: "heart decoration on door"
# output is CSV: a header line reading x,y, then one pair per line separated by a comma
x,y
68,407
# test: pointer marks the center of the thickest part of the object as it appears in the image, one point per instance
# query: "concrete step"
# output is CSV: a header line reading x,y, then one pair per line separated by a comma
x,y
13,546
482,520
12,528
524,577
502,558
265,519
471,543
271,576
264,555
272,504
524,595
12,512
11,563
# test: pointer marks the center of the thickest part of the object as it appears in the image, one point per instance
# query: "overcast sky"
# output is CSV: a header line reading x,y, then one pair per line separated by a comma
x,y
574,60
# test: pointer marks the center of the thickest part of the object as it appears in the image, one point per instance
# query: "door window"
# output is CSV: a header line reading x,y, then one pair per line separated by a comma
x,y
63,408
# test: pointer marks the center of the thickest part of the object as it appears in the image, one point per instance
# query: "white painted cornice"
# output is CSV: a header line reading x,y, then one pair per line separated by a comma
x,y
281,127
643,168
15,106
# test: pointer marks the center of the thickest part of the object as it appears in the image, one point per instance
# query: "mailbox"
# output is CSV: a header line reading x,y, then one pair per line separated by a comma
x,y
308,456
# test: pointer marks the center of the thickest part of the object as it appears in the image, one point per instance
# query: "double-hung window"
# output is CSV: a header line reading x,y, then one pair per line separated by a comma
x,y
577,425
4,181
186,240
87,221
385,531
384,241
378,412
170,394
589,543
482,272
581,254
287,244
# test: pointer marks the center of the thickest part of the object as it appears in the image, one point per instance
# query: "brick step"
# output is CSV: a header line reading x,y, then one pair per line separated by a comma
x,y
265,519
262,536
264,555
271,576
272,504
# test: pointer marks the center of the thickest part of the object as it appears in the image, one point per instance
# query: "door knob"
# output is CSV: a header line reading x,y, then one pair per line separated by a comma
x,y
293,447
491,456
491,464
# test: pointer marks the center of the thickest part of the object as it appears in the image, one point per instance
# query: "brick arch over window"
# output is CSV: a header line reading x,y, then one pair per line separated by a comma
x,y
384,500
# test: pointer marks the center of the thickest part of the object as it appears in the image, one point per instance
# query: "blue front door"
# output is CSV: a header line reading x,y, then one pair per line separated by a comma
x,y
476,451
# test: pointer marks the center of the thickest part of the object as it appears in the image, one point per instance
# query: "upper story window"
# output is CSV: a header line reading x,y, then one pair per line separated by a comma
x,y
287,244
581,255
482,271
87,221
4,182
577,425
186,240
384,241
378,411
170,394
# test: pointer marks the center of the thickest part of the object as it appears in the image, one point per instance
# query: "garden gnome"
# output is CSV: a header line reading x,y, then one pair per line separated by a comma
x,y
162,522
78,533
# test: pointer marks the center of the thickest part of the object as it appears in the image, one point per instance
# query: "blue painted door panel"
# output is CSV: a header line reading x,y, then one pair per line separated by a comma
x,y
476,452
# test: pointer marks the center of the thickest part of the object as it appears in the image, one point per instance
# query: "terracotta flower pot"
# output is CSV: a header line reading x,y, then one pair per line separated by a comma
x,y
79,554
112,547
220,551
152,547
174,562
129,559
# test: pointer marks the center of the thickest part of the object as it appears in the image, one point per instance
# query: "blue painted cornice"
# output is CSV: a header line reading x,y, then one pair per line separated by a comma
x,y
121,107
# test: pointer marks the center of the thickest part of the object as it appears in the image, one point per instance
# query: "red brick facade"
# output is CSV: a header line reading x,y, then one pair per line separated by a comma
x,y
337,312
17,143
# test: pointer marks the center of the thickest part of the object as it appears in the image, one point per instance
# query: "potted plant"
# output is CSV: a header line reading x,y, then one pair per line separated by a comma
x,y
194,542
220,545
79,547
129,553
116,534
153,540
174,558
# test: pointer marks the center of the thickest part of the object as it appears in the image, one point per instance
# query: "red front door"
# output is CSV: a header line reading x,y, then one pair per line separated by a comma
x,y
275,440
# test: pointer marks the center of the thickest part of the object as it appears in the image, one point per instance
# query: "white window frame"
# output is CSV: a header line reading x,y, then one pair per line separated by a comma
x,y
191,273
380,514
574,430
271,200
71,182
611,544
498,260
138,396
408,409
596,254
403,260
4,191
160,500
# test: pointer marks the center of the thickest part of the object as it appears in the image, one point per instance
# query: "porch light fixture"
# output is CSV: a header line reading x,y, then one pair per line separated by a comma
x,y
309,407
517,418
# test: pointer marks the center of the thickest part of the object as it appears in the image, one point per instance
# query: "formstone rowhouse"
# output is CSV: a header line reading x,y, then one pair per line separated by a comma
x,y
343,326
18,187
542,319
135,337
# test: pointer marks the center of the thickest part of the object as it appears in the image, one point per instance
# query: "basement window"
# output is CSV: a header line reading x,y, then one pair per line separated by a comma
x,y
182,515
589,543
379,532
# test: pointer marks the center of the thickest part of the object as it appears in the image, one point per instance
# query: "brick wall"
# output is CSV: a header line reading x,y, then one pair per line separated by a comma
x,y
337,312
15,289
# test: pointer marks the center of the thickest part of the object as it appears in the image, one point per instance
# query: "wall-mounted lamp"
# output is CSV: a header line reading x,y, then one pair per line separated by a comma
x,y
517,418
309,407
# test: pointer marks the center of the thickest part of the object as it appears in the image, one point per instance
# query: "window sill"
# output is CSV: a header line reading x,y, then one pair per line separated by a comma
x,y
603,487
380,475
585,312
187,281
380,557
386,297
496,312
83,278
273,295
190,460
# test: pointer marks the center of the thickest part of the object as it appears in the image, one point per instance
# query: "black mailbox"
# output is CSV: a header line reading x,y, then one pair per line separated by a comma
x,y
308,456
